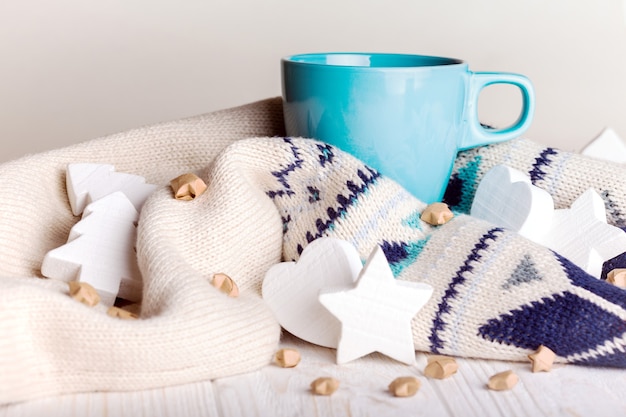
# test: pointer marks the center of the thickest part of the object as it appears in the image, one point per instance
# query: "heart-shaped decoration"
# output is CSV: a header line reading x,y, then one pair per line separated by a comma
x,y
507,198
291,289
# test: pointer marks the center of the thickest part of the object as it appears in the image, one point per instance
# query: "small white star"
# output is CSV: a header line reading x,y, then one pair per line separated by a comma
x,y
376,313
582,235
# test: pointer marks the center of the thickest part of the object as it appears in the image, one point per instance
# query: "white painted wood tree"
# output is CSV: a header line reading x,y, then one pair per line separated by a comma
x,y
101,250
88,182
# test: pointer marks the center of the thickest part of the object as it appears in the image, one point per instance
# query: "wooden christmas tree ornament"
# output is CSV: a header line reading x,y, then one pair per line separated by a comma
x,y
100,250
87,183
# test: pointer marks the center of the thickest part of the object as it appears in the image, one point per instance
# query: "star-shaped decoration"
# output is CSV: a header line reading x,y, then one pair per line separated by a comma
x,y
542,359
582,235
376,313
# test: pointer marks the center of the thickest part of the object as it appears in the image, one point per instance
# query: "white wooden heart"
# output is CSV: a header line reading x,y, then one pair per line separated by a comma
x,y
291,289
507,198
100,250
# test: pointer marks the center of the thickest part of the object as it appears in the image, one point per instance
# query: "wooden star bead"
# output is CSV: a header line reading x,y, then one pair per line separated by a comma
x,y
405,386
617,277
503,381
287,358
440,367
542,359
437,214
187,187
225,284
121,313
84,292
324,386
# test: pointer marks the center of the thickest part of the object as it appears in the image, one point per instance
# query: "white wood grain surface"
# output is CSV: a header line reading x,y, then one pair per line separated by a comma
x,y
273,391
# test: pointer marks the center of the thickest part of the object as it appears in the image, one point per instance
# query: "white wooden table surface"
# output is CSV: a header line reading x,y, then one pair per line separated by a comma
x,y
273,391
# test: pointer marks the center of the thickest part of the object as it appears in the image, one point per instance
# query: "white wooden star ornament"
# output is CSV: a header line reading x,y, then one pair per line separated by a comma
x,y
582,235
376,312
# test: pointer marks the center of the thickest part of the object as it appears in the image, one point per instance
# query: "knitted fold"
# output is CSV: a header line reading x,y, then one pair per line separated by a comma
x,y
188,331
564,175
496,295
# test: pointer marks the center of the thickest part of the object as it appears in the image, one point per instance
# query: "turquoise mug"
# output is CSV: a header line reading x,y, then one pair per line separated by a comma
x,y
406,116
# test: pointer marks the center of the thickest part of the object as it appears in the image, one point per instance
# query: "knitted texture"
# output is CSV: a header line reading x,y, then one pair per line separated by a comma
x,y
496,294
189,331
564,175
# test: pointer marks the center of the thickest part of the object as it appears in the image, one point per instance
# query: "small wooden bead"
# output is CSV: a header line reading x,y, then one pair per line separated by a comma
x,y
225,284
84,292
437,214
440,367
121,313
503,381
405,386
542,359
324,386
288,358
187,186
617,277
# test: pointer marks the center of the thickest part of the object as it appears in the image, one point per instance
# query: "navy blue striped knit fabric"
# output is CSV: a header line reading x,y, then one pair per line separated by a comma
x,y
497,295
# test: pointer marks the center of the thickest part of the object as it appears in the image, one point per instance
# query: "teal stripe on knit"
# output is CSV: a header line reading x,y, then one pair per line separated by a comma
x,y
413,250
413,221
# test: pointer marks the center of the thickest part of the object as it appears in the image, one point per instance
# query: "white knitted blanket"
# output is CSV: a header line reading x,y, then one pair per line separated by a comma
x,y
50,344
267,198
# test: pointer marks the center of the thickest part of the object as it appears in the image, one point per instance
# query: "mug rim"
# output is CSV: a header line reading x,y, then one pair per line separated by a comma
x,y
314,59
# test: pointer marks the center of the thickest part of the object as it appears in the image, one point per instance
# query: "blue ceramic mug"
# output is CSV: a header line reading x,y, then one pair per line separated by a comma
x,y
404,115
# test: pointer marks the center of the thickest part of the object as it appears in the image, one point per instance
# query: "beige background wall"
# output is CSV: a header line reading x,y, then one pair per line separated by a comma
x,y
72,70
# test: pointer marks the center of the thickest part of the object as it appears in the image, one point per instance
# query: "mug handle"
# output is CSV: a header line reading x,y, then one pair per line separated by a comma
x,y
478,135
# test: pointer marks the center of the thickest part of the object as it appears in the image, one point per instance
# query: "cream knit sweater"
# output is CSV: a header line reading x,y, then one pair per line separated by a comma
x,y
50,344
